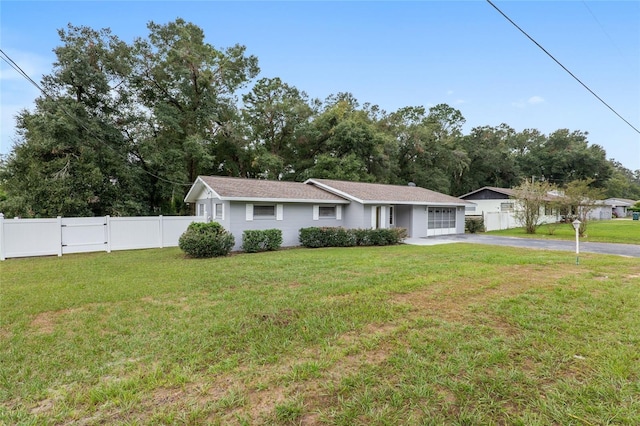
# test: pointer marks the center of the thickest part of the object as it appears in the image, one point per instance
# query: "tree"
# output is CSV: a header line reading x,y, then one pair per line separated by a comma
x,y
623,183
491,159
71,159
426,150
344,134
565,156
277,115
532,197
188,87
581,198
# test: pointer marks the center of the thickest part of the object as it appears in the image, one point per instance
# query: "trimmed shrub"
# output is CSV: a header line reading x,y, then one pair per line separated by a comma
x,y
254,241
339,237
206,240
316,237
473,225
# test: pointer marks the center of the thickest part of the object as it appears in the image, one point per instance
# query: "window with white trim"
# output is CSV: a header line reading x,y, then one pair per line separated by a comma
x,y
264,211
441,217
327,212
218,211
506,207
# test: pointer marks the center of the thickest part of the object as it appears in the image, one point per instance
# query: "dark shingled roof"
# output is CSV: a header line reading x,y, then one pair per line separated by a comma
x,y
241,188
511,193
387,194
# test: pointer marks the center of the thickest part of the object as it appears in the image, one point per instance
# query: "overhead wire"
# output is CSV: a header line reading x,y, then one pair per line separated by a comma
x,y
595,18
4,56
563,67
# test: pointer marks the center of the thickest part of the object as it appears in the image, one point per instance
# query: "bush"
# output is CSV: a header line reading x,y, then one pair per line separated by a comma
x,y
254,241
473,225
339,237
315,237
206,240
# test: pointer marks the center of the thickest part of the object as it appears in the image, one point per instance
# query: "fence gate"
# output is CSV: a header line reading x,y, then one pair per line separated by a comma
x,y
84,234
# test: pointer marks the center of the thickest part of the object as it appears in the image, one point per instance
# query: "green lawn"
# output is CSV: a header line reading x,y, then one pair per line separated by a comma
x,y
601,231
448,334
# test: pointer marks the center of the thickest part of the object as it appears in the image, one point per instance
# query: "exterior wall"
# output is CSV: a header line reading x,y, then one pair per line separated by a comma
x,y
460,215
601,213
354,215
419,222
620,211
487,206
404,218
294,217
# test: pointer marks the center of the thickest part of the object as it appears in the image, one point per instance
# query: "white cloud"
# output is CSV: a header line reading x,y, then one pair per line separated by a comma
x,y
533,100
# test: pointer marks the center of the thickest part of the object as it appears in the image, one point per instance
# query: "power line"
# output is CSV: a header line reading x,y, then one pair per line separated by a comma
x,y
563,67
624,57
20,71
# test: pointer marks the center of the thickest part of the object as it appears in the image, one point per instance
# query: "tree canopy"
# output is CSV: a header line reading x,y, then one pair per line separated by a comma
x,y
125,128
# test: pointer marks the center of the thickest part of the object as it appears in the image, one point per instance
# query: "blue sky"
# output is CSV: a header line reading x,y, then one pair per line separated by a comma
x,y
393,54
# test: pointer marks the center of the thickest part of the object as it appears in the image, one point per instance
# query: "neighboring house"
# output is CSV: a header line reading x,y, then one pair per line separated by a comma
x,y
620,206
240,204
497,206
600,211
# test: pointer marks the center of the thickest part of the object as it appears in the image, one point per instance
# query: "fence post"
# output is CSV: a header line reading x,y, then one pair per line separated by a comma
x,y
161,222
2,236
107,219
59,235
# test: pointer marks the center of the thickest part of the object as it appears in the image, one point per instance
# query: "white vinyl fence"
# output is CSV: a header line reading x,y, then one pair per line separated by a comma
x,y
62,235
495,221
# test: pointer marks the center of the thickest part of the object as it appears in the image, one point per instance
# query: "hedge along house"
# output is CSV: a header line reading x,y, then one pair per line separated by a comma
x,y
422,212
241,204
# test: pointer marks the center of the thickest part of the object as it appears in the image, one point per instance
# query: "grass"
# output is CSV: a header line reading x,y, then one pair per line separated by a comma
x,y
624,231
449,334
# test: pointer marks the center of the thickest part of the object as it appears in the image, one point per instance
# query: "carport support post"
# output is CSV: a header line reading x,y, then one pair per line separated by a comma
x,y
576,225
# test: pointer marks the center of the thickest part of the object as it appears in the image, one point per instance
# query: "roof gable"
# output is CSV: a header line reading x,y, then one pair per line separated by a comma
x,y
243,189
489,193
378,193
495,193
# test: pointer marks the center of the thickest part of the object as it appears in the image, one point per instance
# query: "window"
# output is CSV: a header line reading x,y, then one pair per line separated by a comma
x,y
506,207
391,215
548,210
218,209
470,208
264,211
328,212
439,218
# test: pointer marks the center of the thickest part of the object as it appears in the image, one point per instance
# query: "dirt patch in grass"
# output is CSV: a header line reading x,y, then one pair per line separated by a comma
x,y
454,300
281,318
183,303
45,322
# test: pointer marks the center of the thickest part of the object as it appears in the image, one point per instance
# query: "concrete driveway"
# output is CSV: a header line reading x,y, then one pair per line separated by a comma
x,y
630,250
